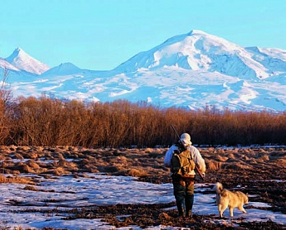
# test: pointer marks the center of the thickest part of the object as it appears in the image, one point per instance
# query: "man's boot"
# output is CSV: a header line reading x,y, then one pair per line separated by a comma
x,y
181,211
189,205
181,206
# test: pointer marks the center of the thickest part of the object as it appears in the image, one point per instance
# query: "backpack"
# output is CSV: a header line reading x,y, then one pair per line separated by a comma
x,y
182,163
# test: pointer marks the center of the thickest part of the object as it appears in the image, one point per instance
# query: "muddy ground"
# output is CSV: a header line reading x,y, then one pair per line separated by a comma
x,y
260,171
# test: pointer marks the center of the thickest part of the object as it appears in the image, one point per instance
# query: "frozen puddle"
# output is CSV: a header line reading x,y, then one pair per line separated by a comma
x,y
67,193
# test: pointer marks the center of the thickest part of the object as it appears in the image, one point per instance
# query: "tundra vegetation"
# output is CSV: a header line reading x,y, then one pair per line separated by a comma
x,y
48,121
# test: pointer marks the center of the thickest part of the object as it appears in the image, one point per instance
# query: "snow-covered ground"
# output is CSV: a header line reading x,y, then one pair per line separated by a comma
x,y
67,193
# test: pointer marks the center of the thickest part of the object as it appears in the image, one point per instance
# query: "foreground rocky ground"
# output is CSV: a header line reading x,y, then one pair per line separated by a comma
x,y
260,171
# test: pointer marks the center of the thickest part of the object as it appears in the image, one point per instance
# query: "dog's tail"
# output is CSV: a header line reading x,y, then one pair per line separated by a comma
x,y
218,188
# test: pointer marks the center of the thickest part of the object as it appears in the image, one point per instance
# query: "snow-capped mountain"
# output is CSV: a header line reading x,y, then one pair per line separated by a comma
x,y
192,70
22,61
198,50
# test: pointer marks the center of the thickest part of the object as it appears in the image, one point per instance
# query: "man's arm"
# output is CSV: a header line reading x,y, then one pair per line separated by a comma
x,y
200,162
168,156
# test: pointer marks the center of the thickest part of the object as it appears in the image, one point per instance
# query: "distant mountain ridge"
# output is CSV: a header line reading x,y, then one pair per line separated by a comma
x,y
191,70
63,69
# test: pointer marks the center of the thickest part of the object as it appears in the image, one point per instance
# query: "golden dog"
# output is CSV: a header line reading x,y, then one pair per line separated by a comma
x,y
226,198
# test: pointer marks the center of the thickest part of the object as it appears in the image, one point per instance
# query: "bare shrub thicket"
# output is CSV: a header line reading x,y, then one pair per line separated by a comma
x,y
6,107
48,121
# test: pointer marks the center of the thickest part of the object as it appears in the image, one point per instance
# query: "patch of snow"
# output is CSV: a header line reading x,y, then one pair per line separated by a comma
x,y
97,189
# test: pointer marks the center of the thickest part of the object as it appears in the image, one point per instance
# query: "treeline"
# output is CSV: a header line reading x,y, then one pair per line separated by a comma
x,y
48,121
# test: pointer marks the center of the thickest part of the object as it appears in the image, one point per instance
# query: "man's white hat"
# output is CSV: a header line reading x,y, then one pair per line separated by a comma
x,y
186,139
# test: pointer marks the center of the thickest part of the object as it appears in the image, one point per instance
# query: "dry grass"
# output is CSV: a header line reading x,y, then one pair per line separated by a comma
x,y
17,180
213,165
136,172
131,162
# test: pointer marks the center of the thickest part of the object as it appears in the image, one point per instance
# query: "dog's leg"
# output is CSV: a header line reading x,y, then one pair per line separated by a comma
x,y
220,210
231,211
241,208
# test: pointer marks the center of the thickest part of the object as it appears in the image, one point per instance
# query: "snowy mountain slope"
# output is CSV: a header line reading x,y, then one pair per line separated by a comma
x,y
62,69
198,50
192,70
23,61
12,73
272,59
6,65
165,87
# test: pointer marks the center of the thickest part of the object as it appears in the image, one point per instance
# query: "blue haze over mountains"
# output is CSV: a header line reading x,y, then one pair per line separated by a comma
x,y
192,70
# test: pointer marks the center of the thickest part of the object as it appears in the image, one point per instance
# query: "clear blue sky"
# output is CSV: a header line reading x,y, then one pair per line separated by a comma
x,y
101,34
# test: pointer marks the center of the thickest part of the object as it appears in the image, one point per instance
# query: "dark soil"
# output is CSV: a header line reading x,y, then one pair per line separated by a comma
x,y
154,215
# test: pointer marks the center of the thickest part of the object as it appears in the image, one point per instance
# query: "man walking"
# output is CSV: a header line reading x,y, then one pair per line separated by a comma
x,y
183,158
